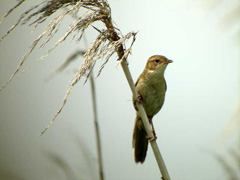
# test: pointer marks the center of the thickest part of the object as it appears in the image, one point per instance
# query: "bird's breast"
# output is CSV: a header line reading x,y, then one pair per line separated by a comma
x,y
153,94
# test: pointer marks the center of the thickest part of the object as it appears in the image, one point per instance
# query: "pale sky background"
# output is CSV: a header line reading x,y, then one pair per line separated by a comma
x,y
202,95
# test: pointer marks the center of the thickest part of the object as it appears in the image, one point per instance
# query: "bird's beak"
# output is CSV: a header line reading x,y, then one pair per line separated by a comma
x,y
169,61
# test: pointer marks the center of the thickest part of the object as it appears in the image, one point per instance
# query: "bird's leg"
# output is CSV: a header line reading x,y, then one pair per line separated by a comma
x,y
153,130
139,100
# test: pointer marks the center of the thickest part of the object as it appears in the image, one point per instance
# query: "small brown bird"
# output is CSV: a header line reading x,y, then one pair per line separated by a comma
x,y
151,87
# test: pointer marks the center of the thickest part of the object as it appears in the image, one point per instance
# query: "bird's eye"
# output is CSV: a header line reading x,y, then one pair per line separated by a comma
x,y
157,60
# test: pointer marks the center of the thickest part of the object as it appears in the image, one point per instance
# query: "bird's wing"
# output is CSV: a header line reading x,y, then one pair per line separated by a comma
x,y
165,85
136,82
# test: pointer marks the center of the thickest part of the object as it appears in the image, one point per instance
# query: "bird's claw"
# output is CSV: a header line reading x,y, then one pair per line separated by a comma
x,y
139,99
153,138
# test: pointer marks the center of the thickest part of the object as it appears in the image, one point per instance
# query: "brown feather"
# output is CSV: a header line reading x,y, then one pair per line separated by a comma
x,y
140,142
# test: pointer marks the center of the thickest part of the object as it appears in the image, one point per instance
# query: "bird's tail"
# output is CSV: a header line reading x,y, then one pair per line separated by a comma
x,y
140,141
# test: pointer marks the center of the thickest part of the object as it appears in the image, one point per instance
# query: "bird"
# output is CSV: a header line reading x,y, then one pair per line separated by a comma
x,y
151,88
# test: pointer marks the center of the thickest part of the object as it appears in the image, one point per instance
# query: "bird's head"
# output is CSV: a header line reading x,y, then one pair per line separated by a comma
x,y
157,64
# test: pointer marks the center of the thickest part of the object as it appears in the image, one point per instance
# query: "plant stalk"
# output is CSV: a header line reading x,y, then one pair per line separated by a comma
x,y
99,150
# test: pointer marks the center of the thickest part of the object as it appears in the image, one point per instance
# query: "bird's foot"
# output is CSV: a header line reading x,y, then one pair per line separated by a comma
x,y
153,130
153,138
138,100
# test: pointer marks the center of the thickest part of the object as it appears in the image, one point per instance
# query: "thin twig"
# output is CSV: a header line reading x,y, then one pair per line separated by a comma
x,y
98,139
60,69
71,58
13,8
232,175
